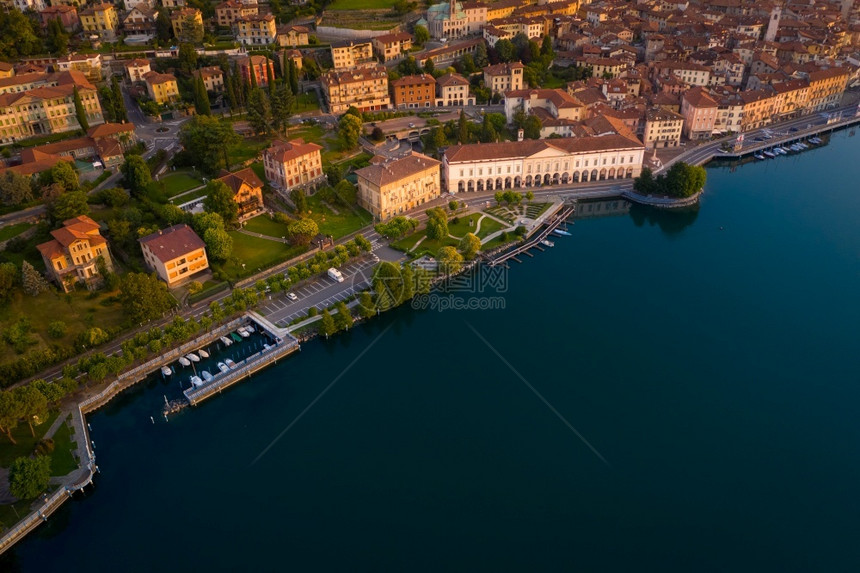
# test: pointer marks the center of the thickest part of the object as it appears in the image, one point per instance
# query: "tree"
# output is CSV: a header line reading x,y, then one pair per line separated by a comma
x,y
163,27
18,35
421,35
377,134
506,50
143,297
119,112
437,223
219,244
365,306
136,174
645,183
481,58
259,110
15,189
10,412
349,129
470,244
206,140
546,51
467,63
463,129
532,127
530,196
450,261
32,281
327,325
28,477
191,31
62,174
57,329
293,76
301,232
201,97
429,66
80,112
388,285
57,39
33,405
8,280
344,316
300,200
219,199
283,103
397,227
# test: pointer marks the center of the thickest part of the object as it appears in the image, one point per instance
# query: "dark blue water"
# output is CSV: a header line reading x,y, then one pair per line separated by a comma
x,y
710,358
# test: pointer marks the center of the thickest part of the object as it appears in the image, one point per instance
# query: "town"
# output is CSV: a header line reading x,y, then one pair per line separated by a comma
x,y
169,166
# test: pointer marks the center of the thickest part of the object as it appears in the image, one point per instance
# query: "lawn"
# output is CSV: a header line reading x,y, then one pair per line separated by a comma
x,y
188,196
313,133
432,246
488,227
498,242
307,102
10,516
10,231
462,227
75,309
248,148
63,460
338,224
264,225
256,254
408,242
176,183
26,443
209,288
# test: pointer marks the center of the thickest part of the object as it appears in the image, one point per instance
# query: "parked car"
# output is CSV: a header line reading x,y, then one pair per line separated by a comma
x,y
292,296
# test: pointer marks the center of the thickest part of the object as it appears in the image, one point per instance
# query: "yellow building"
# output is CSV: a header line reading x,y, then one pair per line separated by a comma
x,y
256,30
162,88
7,70
100,19
293,163
45,103
72,255
247,191
387,189
364,88
503,78
348,54
826,87
213,78
176,254
662,128
179,19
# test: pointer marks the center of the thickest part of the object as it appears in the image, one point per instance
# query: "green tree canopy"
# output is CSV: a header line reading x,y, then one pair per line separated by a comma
x,y
68,206
437,223
33,405
327,324
450,261
349,130
301,232
192,31
206,140
80,112
259,110
16,189
421,35
219,244
219,199
11,412
144,297
470,244
28,477
136,174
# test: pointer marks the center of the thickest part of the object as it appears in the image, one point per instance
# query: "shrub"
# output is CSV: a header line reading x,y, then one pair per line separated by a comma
x,y
57,329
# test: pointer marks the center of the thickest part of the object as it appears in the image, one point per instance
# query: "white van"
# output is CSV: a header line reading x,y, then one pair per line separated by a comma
x,y
335,274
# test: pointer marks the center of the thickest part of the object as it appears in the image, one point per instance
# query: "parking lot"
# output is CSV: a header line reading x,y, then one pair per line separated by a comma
x,y
320,292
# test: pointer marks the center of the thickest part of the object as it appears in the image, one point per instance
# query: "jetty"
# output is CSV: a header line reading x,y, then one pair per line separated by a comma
x,y
538,235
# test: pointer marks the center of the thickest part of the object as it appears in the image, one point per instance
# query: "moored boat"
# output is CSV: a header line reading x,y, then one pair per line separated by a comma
x,y
250,329
223,367
235,337
184,361
206,376
226,341
266,347
242,332
560,233
547,243
192,357
759,156
769,154
196,381
203,353
166,371
229,363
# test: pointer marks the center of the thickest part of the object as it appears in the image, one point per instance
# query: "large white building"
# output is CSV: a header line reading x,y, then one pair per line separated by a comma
x,y
540,162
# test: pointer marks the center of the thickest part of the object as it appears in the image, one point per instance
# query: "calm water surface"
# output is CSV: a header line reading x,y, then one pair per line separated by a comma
x,y
711,359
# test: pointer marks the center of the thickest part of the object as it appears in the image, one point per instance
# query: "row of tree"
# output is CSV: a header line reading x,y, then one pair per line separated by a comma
x,y
680,181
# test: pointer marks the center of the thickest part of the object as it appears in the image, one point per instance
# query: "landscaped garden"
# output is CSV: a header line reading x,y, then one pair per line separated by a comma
x,y
337,224
13,230
264,225
175,183
256,254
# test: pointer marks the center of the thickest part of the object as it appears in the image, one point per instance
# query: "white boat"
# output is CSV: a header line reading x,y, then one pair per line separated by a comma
x,y
203,353
184,361
192,357
547,243
769,154
759,156
206,376
250,329
242,332
815,140
266,347
560,233
226,341
223,367
196,381
229,363
166,371
782,150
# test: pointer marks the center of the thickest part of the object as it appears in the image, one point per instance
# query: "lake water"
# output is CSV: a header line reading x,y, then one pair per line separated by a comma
x,y
711,359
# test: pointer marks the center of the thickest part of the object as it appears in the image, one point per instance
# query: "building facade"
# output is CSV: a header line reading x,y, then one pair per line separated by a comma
x,y
502,78
541,162
213,78
348,54
176,254
256,30
392,47
453,90
162,88
389,188
414,91
256,65
101,20
294,163
72,255
365,88
247,191
662,128
227,13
